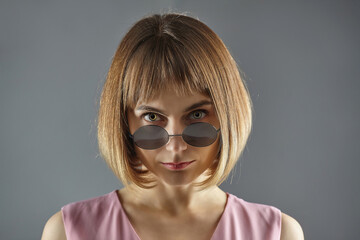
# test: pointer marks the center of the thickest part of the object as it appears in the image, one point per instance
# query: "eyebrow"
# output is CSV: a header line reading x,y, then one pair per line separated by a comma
x,y
195,105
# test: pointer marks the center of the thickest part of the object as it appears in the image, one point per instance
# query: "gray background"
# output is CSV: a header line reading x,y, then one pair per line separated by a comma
x,y
301,61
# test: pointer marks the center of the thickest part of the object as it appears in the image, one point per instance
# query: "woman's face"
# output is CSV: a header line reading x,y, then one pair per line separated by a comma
x,y
171,115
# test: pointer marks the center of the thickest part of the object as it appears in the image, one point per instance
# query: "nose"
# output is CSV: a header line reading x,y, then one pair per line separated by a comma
x,y
176,143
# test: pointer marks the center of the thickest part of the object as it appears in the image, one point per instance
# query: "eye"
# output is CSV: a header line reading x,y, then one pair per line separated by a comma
x,y
198,114
153,116
201,111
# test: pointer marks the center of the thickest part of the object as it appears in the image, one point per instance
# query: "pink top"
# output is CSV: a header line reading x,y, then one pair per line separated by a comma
x,y
104,218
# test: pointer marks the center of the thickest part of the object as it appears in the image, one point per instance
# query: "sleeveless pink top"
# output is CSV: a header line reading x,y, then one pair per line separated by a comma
x,y
104,218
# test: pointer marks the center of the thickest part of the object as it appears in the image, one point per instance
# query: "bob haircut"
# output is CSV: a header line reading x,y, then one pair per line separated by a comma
x,y
172,51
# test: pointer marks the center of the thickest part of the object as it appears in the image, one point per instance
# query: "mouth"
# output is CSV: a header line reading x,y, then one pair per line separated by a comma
x,y
177,166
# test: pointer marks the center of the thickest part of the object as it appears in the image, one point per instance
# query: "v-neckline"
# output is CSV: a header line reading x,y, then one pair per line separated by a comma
x,y
117,198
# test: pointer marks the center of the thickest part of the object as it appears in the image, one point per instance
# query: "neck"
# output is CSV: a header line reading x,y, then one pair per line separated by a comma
x,y
178,200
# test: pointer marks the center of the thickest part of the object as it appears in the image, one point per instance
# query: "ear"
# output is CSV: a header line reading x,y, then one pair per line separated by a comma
x,y
137,165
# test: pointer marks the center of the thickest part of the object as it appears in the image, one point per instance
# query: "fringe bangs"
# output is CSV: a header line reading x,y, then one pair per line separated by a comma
x,y
160,64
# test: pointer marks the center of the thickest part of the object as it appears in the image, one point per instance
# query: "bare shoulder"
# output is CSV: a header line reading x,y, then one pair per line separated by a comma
x,y
54,228
290,228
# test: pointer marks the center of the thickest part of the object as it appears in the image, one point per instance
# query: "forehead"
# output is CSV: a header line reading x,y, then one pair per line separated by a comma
x,y
171,96
170,103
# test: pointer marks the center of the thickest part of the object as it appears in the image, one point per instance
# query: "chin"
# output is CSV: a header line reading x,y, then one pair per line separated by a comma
x,y
177,180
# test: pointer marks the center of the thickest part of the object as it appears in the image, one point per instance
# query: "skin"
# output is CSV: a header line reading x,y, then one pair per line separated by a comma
x,y
175,192
174,201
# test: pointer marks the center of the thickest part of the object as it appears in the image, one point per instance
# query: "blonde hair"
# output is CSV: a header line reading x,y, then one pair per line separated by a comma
x,y
171,51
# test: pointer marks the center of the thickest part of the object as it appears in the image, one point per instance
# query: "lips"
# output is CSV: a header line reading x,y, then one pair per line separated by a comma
x,y
177,166
177,163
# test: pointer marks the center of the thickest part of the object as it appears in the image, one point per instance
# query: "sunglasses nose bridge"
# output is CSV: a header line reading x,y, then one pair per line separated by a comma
x,y
174,135
178,144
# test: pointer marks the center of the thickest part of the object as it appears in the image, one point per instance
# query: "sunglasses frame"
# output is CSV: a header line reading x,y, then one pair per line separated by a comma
x,y
217,131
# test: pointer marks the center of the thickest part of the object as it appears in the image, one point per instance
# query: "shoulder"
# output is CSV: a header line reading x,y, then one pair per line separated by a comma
x,y
54,228
290,228
95,206
256,211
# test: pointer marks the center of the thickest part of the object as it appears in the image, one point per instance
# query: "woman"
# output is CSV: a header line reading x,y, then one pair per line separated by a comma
x,y
174,118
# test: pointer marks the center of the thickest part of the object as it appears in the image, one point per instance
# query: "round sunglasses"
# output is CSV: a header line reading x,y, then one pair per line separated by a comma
x,y
199,134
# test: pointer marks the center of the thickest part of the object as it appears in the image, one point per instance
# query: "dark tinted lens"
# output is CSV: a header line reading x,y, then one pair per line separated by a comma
x,y
200,134
150,137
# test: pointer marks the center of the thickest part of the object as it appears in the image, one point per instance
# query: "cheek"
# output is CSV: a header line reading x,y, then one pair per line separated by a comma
x,y
147,157
213,152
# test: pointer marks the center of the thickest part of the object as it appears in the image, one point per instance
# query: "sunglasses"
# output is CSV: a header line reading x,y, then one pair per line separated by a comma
x,y
199,134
